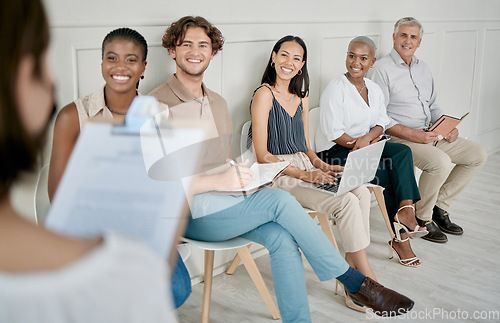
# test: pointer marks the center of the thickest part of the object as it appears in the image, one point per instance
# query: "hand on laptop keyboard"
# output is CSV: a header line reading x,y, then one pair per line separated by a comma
x,y
330,187
318,177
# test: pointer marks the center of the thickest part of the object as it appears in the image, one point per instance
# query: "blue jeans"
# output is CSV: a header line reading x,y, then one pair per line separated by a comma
x,y
181,283
273,218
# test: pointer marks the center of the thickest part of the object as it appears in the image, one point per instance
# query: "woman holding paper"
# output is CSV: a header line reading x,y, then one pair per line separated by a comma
x,y
280,114
46,277
352,116
124,54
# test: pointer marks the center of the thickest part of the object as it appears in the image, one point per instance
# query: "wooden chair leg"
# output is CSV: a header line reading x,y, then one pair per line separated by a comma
x,y
207,289
324,222
379,195
234,263
253,271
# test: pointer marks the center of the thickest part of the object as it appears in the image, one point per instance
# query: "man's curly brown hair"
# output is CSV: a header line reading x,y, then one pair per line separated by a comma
x,y
175,33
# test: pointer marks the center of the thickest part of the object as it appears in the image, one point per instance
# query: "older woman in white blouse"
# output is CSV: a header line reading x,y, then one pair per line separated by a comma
x,y
352,116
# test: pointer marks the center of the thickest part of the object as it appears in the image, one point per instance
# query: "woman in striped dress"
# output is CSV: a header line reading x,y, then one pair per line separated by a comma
x,y
280,114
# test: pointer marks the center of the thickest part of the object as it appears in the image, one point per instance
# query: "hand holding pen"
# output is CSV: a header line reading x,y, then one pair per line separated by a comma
x,y
243,175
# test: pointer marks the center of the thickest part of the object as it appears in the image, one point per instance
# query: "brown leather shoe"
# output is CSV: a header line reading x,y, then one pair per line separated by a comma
x,y
383,301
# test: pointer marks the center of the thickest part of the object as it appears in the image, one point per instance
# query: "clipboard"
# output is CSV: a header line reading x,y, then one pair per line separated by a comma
x,y
445,124
106,185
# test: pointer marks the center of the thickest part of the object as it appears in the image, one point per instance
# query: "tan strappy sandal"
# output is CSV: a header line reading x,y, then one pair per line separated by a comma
x,y
409,262
399,226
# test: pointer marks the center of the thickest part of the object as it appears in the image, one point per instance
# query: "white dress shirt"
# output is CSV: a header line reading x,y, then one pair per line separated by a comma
x,y
343,110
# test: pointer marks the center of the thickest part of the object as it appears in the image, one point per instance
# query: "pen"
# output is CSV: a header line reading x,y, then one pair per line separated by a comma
x,y
233,163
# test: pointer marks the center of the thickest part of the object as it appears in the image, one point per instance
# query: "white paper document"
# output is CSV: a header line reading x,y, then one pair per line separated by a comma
x,y
106,186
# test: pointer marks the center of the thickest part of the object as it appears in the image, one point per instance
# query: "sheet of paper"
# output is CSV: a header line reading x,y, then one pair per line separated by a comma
x,y
106,186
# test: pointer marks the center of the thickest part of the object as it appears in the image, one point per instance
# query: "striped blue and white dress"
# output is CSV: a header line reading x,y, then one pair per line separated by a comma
x,y
285,133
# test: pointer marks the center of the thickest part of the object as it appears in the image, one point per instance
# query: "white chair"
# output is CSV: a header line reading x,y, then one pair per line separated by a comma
x,y
243,253
377,190
313,125
184,250
246,153
41,196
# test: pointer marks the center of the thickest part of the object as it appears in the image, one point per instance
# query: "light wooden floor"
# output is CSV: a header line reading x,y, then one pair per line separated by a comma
x,y
461,277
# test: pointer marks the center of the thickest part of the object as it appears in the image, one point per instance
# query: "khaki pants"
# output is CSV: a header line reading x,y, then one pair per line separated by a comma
x,y
441,182
351,211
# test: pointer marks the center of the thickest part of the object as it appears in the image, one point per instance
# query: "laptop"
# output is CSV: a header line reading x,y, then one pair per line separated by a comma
x,y
360,168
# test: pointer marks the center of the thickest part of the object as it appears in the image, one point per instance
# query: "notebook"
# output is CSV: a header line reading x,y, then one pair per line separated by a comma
x,y
445,124
263,176
360,168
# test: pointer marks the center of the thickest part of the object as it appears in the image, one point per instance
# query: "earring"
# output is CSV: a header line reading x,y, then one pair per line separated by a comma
x,y
272,64
142,77
299,72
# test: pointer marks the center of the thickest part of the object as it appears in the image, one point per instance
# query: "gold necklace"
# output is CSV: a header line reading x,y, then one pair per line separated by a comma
x,y
291,96
357,88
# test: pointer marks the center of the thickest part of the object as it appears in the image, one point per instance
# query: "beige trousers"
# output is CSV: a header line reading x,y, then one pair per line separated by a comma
x,y
351,211
441,182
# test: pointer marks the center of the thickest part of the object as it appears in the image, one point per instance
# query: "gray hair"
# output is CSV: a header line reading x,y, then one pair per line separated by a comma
x,y
408,21
365,40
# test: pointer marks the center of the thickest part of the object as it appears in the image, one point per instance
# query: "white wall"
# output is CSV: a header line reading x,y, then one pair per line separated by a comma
x,y
461,44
